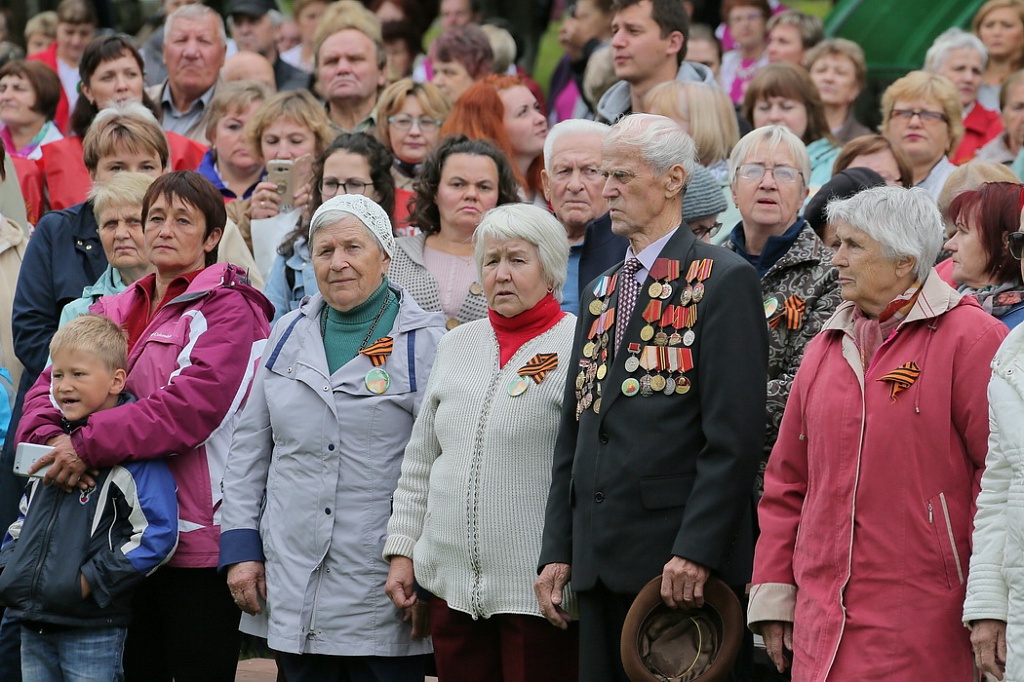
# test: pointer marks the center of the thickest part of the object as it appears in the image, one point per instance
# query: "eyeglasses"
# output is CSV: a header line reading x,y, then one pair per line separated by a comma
x,y
404,122
710,231
1015,244
756,171
925,116
330,187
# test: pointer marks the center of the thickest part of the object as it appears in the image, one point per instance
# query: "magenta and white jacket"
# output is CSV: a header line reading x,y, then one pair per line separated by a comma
x,y
191,370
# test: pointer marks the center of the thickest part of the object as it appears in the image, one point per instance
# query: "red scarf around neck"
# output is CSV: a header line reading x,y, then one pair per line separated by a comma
x,y
513,332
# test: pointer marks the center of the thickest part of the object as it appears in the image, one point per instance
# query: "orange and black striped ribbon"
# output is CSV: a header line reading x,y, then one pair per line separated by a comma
x,y
379,350
539,366
902,378
793,312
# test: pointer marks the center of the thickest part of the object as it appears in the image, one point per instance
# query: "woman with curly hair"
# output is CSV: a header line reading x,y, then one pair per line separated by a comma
x,y
461,180
503,110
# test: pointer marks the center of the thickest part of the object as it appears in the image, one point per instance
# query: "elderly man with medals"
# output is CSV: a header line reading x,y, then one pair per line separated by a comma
x,y
660,438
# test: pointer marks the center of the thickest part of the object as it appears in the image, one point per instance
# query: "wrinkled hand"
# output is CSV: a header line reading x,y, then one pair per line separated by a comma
x,y
67,470
247,581
265,202
988,638
401,583
777,634
548,588
682,583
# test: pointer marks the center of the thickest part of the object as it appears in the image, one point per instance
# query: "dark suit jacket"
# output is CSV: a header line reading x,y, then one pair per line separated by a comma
x,y
287,77
602,249
652,477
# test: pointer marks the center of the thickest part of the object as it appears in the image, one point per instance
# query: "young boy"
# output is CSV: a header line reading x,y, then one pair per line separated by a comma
x,y
70,561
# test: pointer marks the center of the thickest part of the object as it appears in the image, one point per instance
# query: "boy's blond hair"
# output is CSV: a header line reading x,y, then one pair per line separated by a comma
x,y
96,335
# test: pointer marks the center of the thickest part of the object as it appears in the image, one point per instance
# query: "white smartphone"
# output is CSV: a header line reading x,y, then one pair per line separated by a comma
x,y
28,454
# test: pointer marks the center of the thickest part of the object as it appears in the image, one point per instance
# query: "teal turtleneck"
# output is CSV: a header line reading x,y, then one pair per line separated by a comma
x,y
344,331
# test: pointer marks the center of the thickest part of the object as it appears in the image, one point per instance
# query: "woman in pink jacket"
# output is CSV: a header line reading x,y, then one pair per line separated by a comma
x,y
196,331
869,493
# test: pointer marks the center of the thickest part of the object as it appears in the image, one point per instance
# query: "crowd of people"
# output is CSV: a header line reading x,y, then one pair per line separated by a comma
x,y
374,349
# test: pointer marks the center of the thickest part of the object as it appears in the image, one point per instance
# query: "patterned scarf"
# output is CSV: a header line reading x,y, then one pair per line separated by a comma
x,y
997,300
870,334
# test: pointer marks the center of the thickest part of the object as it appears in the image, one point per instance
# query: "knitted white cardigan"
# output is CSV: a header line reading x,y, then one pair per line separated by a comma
x,y
470,503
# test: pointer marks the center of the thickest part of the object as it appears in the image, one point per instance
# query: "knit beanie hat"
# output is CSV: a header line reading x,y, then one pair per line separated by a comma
x,y
366,210
703,196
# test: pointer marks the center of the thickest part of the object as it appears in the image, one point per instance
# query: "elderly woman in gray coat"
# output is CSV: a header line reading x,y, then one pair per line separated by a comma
x,y
317,454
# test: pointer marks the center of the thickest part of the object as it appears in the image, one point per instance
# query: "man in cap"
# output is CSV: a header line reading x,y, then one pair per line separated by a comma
x,y
572,185
195,45
655,459
254,26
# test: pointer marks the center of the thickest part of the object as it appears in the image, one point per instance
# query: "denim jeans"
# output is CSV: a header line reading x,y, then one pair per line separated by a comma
x,y
75,655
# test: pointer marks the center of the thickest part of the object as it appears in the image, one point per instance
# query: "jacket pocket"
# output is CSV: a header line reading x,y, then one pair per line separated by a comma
x,y
662,492
942,528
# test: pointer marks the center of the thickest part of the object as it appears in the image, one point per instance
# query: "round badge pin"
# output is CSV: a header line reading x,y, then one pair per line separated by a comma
x,y
771,304
518,386
682,386
377,380
630,387
476,289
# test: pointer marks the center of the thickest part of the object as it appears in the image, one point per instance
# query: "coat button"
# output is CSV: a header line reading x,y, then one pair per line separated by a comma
x,y
327,388
327,511
331,447
599,497
603,438
289,370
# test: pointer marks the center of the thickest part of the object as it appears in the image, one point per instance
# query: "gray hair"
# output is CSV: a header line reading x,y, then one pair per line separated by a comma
x,y
572,126
953,39
122,190
660,141
773,136
534,225
906,222
196,13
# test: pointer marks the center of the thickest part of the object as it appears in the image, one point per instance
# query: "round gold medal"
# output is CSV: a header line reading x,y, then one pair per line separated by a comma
x,y
451,324
596,307
657,383
476,289
602,372
597,405
654,291
588,349
647,333
682,386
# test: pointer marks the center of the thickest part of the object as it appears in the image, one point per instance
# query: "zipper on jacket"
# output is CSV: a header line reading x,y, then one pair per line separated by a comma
x,y
47,537
952,540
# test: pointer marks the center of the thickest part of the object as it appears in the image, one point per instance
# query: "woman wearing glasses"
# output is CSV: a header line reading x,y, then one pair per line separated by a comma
x,y
922,115
355,163
409,117
767,172
983,266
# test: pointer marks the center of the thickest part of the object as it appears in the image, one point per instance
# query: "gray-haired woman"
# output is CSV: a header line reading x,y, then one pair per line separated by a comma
x,y
878,462
469,509
323,433
961,57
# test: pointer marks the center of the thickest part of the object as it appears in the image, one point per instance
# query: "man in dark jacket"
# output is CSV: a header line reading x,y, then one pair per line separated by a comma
x,y
660,436
572,185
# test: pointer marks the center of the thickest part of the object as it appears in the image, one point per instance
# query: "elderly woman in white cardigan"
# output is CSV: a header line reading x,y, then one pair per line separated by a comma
x,y
469,509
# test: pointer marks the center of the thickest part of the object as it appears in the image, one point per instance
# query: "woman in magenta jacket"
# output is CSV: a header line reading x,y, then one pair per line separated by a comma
x,y
196,332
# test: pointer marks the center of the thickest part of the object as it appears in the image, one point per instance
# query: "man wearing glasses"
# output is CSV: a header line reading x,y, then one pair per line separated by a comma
x,y
767,171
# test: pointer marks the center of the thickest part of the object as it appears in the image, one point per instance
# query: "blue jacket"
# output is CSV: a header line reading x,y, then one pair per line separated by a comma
x,y
290,280
63,257
114,535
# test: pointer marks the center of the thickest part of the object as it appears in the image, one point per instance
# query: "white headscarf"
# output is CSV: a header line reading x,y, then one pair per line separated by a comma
x,y
366,210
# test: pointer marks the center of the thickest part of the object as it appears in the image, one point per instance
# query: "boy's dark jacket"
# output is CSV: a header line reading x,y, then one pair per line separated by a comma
x,y
114,535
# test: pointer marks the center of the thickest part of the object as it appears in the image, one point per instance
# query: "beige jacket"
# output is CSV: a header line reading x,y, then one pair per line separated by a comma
x,y
13,241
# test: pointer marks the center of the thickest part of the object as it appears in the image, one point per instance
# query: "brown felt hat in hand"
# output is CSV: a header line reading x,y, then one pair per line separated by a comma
x,y
661,644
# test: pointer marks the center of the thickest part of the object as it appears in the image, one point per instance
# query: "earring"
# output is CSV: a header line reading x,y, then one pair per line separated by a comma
x,y
551,289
